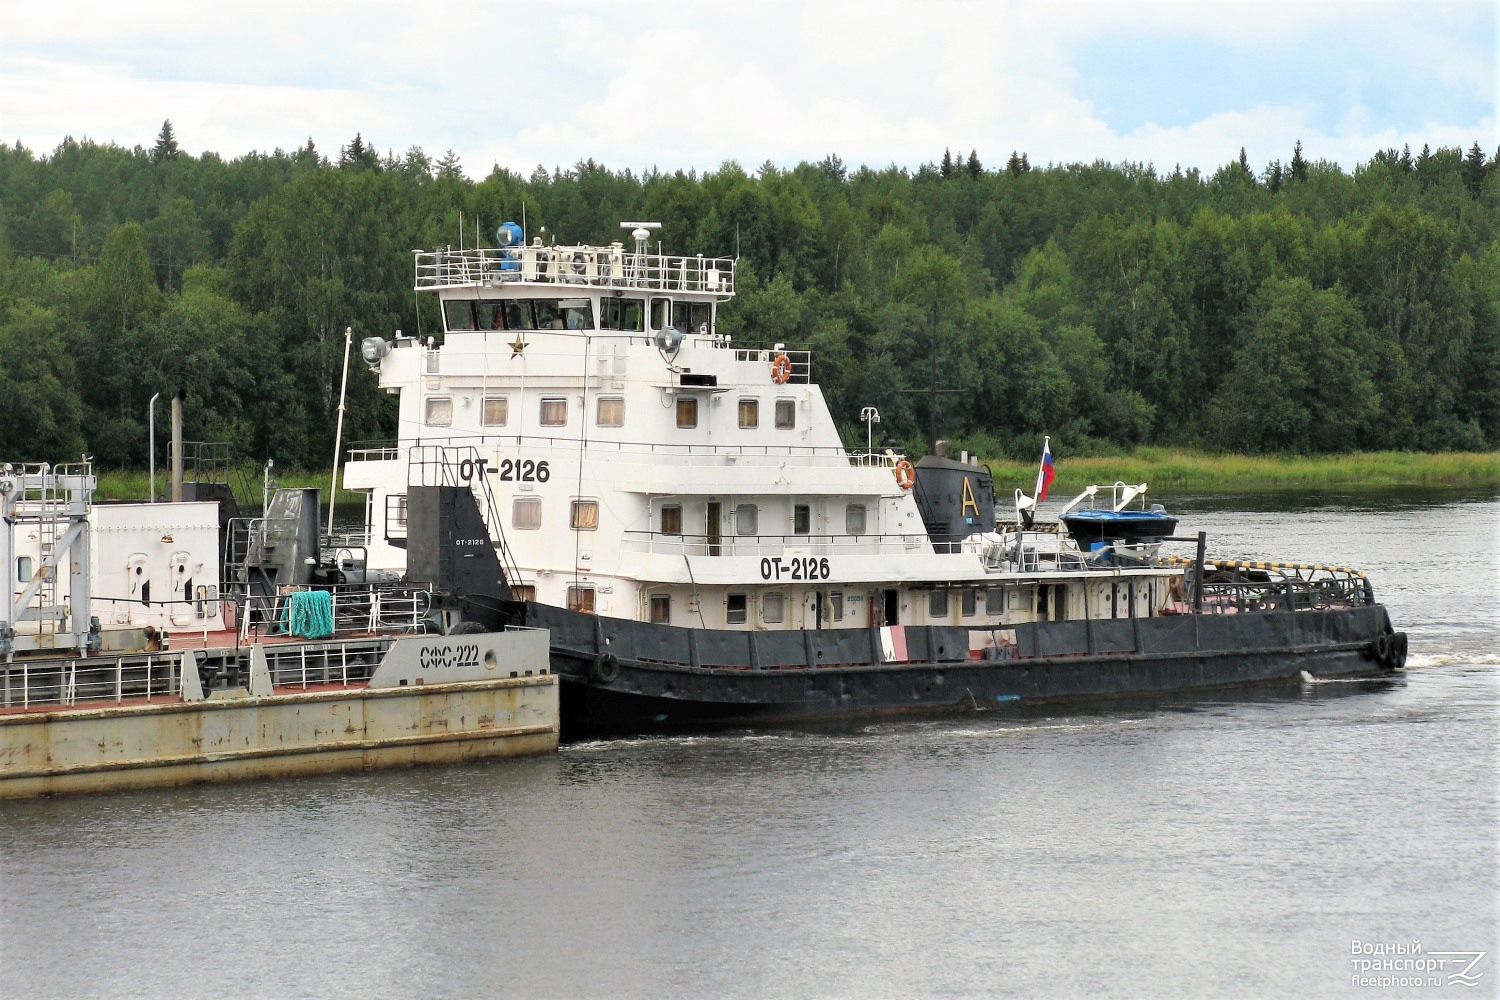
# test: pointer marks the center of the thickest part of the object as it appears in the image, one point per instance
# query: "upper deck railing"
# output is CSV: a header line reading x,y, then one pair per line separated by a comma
x,y
612,267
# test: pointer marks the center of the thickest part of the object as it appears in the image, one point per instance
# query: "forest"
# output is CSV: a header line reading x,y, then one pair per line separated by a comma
x,y
1293,309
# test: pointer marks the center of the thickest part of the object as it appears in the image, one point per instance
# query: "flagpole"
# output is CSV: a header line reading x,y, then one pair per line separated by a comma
x,y
1041,472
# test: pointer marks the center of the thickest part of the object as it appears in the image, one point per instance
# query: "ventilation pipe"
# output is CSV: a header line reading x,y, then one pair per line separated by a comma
x,y
177,446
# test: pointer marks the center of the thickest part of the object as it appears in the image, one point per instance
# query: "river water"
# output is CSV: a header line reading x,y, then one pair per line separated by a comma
x,y
1240,846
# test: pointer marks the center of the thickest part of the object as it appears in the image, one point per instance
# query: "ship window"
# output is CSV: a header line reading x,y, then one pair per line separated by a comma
x,y
523,591
459,315
687,411
548,315
836,605
439,411
496,411
736,609
671,520
581,599
491,315
661,313
585,515
773,608
661,609
554,411
518,315
526,513
937,604
396,507
801,519
623,314
745,518
994,600
854,519
577,314
749,413
970,601
691,317
786,413
610,411
23,569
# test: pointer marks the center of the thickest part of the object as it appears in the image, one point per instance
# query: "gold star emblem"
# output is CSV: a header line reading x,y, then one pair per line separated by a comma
x,y
517,346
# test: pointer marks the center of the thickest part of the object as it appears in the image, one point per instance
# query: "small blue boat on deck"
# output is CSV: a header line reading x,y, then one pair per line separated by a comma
x,y
1115,527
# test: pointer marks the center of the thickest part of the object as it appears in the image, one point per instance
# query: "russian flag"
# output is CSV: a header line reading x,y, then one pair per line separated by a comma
x,y
1046,473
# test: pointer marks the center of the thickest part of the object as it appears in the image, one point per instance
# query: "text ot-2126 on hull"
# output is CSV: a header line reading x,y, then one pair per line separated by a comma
x,y
580,448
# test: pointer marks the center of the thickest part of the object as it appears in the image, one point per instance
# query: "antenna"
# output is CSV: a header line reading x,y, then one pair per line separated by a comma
x,y
460,230
642,233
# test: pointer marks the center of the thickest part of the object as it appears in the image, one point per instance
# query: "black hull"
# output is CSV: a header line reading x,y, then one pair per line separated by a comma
x,y
615,680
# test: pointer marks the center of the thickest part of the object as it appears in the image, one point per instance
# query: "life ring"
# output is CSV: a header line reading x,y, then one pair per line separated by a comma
x,y
606,667
781,369
906,476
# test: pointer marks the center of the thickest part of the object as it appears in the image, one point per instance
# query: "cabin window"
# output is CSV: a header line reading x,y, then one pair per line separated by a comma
x,y
749,413
691,317
937,604
661,313
623,314
23,569
523,591
549,315
610,411
491,315
969,601
395,508
687,411
496,411
801,519
585,515
554,411
459,315
439,411
661,609
786,414
854,519
581,599
577,314
745,519
526,513
671,520
773,608
836,606
519,315
994,600
736,609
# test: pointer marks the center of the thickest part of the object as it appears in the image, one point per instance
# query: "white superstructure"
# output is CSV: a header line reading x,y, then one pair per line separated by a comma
x,y
641,465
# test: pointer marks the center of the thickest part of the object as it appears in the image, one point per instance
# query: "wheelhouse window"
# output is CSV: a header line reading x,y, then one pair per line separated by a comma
x,y
549,314
661,609
491,315
628,315
687,411
801,519
746,519
692,317
737,609
854,519
458,315
969,602
610,411
519,315
585,515
496,411
526,513
554,411
439,411
786,414
671,520
937,604
577,314
749,413
661,314
773,608
581,599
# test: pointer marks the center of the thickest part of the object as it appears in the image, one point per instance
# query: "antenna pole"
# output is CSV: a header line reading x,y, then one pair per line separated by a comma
x,y
338,437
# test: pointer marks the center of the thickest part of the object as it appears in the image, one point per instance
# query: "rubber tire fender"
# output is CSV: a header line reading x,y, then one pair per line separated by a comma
x,y
606,668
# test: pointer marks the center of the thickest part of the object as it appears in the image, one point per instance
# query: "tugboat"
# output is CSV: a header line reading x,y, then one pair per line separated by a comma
x,y
589,453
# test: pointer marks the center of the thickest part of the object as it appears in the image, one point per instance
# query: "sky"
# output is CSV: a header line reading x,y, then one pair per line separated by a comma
x,y
675,85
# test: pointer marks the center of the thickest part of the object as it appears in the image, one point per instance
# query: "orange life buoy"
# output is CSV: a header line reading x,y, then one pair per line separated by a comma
x,y
905,474
781,369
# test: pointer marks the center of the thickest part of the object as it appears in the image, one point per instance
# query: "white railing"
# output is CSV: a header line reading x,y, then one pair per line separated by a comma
x,y
30,684
683,454
655,543
613,267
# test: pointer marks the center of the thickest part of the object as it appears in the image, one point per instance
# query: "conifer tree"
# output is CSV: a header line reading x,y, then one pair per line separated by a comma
x,y
975,169
947,166
1298,167
166,143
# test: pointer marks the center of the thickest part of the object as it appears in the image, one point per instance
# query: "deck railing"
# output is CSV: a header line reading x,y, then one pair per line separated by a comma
x,y
613,267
